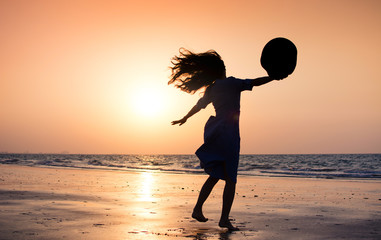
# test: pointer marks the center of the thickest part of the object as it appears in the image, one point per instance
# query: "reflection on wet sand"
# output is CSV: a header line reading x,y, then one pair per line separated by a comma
x,y
146,187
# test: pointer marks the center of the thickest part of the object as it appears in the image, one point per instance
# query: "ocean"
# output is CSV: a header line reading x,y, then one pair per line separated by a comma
x,y
366,166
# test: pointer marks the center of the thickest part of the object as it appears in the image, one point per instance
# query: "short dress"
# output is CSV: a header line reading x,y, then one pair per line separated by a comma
x,y
221,134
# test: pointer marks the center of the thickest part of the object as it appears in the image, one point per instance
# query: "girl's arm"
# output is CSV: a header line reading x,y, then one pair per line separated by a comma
x,y
261,80
193,111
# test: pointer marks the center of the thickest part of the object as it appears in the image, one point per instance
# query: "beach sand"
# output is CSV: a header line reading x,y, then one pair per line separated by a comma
x,y
63,203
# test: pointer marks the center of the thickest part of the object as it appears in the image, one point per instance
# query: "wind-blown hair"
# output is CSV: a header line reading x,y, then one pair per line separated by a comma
x,y
192,71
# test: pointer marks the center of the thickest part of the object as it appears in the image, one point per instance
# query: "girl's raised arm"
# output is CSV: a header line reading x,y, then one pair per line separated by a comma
x,y
260,81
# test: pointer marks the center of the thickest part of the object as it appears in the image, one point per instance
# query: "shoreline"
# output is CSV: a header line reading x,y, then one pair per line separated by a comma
x,y
347,166
180,172
60,202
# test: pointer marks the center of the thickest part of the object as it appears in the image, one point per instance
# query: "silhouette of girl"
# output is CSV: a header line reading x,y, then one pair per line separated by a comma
x,y
219,154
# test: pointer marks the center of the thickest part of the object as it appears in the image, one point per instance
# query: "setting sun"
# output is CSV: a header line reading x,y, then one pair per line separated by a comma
x,y
147,102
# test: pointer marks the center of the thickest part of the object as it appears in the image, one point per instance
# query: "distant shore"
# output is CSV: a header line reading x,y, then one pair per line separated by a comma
x,y
57,203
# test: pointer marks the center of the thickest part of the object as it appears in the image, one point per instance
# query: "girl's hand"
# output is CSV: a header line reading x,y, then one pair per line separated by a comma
x,y
180,122
280,77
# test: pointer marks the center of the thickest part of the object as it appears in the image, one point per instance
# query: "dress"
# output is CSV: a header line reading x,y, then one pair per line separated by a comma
x,y
221,134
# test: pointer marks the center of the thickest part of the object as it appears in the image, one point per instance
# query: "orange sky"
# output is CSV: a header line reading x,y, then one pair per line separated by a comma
x,y
91,76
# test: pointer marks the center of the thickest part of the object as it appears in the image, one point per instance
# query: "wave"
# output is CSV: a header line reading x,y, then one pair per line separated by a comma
x,y
313,166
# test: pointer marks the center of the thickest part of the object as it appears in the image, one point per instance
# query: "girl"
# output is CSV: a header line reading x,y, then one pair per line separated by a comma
x,y
219,154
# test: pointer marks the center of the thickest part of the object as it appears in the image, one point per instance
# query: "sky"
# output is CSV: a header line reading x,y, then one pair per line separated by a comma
x,y
91,76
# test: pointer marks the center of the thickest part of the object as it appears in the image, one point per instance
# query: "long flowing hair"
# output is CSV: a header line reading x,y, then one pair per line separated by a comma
x,y
193,71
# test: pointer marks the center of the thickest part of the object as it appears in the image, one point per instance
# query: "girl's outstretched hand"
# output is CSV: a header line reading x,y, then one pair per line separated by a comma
x,y
180,122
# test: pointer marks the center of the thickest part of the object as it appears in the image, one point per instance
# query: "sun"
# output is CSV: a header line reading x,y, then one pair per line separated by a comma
x,y
147,102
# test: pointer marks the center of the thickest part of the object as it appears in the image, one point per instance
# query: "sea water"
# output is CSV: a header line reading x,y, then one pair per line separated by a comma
x,y
292,165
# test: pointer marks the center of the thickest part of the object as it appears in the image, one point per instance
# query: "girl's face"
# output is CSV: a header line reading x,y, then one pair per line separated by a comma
x,y
223,75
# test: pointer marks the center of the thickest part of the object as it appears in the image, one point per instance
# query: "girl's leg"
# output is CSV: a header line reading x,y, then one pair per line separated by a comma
x,y
228,198
204,194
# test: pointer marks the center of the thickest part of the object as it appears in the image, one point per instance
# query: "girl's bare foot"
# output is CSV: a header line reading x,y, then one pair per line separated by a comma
x,y
227,224
199,216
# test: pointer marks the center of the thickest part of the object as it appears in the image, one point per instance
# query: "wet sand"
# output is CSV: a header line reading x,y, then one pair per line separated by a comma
x,y
62,203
